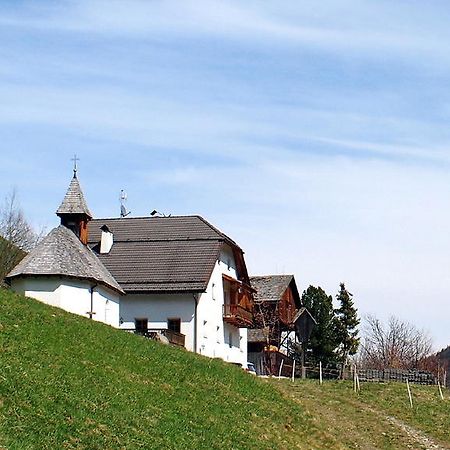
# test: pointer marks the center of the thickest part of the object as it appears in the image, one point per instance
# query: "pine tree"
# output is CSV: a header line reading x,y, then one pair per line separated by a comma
x,y
346,325
323,341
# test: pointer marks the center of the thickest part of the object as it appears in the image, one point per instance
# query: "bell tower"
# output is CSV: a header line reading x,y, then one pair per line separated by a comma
x,y
73,211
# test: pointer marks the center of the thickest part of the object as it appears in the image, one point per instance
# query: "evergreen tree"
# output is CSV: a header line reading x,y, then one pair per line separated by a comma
x,y
346,325
323,341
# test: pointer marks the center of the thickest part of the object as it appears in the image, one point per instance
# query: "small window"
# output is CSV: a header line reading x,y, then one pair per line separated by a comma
x,y
230,339
174,325
141,324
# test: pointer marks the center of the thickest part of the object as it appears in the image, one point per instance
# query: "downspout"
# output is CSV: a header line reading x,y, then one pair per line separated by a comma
x,y
195,296
91,290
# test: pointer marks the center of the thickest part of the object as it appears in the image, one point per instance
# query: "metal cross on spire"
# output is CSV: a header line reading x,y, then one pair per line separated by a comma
x,y
75,165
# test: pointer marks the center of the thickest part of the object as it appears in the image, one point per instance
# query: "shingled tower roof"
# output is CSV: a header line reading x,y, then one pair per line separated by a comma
x,y
74,202
61,253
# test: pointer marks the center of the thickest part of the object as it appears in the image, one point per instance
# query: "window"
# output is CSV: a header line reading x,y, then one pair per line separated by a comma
x,y
174,324
141,324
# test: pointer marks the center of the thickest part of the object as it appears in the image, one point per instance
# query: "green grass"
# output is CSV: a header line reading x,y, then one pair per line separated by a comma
x,y
70,383
363,420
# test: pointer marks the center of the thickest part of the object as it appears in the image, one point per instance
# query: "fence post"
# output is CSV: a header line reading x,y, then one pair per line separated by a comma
x,y
409,393
293,371
440,391
320,372
281,368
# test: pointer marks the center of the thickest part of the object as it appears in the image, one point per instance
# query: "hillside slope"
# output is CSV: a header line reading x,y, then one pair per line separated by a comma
x,y
67,382
378,417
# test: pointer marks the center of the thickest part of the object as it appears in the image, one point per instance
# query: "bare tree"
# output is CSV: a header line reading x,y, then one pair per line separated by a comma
x,y
266,317
17,236
397,345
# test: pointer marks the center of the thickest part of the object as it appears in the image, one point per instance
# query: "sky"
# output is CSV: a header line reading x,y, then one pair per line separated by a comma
x,y
315,134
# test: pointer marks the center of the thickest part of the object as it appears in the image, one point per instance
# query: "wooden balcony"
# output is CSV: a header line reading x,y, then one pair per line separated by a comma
x,y
174,337
237,315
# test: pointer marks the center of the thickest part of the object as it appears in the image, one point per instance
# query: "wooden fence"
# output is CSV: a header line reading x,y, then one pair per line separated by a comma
x,y
413,376
269,363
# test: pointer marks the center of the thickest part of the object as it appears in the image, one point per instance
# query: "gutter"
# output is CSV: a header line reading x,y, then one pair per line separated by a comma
x,y
91,290
195,296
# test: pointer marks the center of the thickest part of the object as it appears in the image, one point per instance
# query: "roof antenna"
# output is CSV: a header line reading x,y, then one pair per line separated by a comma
x,y
123,199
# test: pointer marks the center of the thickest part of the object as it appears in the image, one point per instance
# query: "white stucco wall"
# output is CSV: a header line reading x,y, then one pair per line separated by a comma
x,y
157,308
71,295
217,339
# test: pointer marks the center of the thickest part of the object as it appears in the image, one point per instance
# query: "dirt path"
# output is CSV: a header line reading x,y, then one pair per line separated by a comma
x,y
418,436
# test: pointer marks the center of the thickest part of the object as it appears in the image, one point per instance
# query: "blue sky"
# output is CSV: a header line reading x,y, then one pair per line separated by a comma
x,y
313,133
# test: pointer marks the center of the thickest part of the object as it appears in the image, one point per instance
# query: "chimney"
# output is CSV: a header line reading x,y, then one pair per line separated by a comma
x,y
107,240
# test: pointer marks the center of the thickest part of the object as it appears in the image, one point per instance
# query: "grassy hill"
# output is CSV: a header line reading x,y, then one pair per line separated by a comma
x,y
67,382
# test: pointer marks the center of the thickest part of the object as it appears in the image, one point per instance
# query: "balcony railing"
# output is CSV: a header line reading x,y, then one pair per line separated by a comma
x,y
173,337
238,316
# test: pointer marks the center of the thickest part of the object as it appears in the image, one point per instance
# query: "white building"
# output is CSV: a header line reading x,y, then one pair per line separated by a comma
x,y
178,277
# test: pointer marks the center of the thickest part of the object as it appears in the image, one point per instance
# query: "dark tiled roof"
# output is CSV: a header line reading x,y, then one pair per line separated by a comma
x,y
62,253
270,287
157,229
74,202
160,254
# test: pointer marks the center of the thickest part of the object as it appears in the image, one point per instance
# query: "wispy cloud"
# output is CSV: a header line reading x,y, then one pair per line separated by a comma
x,y
356,26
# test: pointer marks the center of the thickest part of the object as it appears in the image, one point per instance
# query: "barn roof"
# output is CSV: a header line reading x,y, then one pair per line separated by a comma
x,y
162,254
62,253
270,288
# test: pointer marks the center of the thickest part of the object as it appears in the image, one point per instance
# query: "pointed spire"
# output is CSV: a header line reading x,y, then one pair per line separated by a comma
x,y
74,211
74,202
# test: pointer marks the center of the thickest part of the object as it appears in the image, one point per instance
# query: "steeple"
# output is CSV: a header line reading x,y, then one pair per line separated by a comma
x,y
73,211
